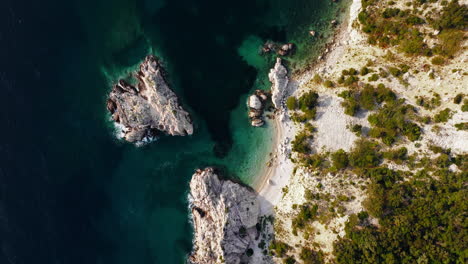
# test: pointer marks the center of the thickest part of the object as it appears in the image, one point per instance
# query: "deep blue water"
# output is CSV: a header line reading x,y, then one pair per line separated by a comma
x,y
71,193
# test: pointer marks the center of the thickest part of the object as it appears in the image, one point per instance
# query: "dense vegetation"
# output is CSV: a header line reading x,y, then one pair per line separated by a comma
x,y
422,220
368,98
402,28
306,104
392,120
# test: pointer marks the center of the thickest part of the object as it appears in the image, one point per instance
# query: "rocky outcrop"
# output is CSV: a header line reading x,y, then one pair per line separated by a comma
x,y
256,103
224,215
150,108
279,78
280,49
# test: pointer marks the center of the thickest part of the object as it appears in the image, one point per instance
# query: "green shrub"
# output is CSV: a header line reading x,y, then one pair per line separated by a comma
x,y
450,43
307,213
309,256
414,20
317,79
351,79
391,120
291,103
364,71
454,16
364,154
352,71
351,107
394,71
308,101
312,161
464,107
279,248
289,260
462,126
340,159
300,143
357,129
443,116
438,60
458,98
374,77
397,155
390,12
328,84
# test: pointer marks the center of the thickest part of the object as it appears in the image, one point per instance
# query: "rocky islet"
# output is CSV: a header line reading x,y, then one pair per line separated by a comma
x,y
150,108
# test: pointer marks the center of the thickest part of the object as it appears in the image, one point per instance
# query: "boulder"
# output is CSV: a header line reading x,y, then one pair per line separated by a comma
x,y
257,122
254,102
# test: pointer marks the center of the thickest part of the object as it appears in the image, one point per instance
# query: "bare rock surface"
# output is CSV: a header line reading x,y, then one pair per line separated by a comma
x,y
256,104
150,108
279,78
225,215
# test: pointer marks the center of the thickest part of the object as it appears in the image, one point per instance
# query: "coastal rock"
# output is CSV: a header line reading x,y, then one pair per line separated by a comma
x,y
254,102
150,108
280,49
225,215
257,122
286,49
279,78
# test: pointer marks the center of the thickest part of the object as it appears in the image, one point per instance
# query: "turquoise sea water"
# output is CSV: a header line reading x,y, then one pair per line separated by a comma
x,y
90,198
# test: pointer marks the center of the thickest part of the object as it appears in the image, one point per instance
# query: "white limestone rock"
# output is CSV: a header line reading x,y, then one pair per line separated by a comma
x,y
254,102
224,215
148,109
279,78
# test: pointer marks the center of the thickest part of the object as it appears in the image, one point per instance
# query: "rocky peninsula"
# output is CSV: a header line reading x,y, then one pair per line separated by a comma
x,y
225,217
279,78
150,108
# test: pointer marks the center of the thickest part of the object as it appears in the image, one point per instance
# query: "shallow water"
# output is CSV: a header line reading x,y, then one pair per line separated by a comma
x,y
69,191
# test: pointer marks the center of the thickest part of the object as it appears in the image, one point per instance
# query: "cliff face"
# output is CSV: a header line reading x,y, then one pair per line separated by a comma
x,y
225,215
148,109
279,78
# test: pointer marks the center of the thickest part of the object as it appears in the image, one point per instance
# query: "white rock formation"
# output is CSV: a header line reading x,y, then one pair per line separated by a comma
x,y
149,108
279,78
224,218
254,102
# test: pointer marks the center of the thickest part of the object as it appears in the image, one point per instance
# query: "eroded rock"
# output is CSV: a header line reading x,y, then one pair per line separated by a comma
x,y
150,108
224,215
279,78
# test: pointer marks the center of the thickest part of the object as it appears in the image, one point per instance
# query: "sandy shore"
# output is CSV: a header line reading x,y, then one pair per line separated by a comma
x,y
274,178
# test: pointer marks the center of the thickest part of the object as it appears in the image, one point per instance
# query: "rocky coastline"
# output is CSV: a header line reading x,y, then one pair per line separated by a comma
x,y
225,216
143,112
279,79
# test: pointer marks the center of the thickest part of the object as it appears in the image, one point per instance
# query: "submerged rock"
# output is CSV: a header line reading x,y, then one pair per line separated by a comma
x,y
225,215
280,49
286,49
279,78
150,108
